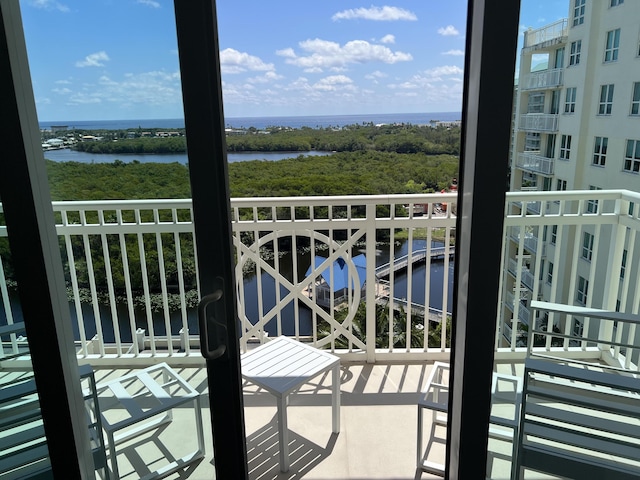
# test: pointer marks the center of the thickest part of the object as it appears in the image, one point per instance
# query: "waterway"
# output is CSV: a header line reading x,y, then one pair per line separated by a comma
x,y
68,155
269,298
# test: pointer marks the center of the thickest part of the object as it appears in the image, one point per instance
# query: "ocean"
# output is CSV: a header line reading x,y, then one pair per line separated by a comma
x,y
313,121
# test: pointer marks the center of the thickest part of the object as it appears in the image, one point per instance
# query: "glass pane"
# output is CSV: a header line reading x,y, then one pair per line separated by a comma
x,y
579,274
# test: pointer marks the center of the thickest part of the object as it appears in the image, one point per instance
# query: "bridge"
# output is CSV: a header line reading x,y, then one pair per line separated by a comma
x,y
417,256
417,310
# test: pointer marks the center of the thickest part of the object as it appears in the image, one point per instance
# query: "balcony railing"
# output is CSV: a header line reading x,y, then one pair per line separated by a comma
x,y
132,272
541,80
534,162
546,36
539,122
530,241
524,315
131,269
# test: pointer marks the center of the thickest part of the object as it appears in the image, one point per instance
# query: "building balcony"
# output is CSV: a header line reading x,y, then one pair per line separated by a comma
x,y
536,163
542,80
538,122
546,37
112,249
530,242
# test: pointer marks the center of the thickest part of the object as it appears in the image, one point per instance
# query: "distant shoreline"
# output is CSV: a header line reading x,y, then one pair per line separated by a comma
x,y
311,121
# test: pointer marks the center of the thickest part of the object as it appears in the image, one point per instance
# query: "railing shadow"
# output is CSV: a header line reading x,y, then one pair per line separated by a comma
x,y
304,455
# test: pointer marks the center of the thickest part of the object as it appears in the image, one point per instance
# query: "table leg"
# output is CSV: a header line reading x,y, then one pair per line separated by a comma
x,y
335,397
419,440
112,454
283,433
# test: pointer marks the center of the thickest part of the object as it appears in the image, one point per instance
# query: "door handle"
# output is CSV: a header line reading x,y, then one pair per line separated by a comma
x,y
213,328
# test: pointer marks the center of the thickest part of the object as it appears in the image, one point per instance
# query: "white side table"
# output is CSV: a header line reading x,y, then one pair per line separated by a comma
x,y
282,366
132,405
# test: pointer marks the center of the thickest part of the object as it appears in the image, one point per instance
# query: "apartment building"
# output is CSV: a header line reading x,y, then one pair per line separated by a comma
x,y
577,127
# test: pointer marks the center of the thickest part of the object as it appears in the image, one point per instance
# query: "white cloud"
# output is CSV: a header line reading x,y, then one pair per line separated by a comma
x,y
49,5
454,52
334,82
61,91
233,61
375,75
93,60
267,77
63,82
323,54
385,13
449,30
444,70
286,52
149,3
155,88
388,39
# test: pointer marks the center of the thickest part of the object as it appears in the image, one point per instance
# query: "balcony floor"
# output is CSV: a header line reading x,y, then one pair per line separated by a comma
x,y
377,438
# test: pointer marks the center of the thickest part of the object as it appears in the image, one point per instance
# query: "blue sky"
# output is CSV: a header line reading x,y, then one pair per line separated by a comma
x,y
117,59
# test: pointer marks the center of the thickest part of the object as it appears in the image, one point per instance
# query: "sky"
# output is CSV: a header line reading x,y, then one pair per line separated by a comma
x,y
117,59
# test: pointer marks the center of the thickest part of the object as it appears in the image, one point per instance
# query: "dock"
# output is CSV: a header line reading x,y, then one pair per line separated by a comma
x,y
417,256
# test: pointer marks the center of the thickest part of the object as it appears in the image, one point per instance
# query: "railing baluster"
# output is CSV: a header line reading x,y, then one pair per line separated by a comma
x,y
92,284
181,287
112,294
145,284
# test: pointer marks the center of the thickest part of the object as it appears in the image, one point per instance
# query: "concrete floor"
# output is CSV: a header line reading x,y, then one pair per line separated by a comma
x,y
377,438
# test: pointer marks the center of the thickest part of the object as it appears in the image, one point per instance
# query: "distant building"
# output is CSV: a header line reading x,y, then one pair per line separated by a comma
x,y
576,128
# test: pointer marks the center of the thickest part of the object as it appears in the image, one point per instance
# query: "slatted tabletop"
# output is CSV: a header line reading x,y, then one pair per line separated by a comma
x,y
283,364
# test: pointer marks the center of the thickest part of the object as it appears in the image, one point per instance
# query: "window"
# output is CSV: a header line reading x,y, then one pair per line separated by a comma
x,y
554,234
592,205
615,3
555,102
570,100
635,99
561,184
578,12
536,103
551,146
574,55
565,147
612,45
544,233
624,263
606,100
587,246
541,276
559,58
550,273
600,151
632,156
532,142
583,290
577,327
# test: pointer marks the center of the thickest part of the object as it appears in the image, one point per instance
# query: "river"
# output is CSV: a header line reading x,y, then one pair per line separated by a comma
x,y
268,297
67,155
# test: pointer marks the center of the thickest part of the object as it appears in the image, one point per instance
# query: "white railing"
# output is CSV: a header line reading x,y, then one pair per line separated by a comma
x,y
535,162
132,277
614,227
553,32
541,80
524,315
530,240
539,122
